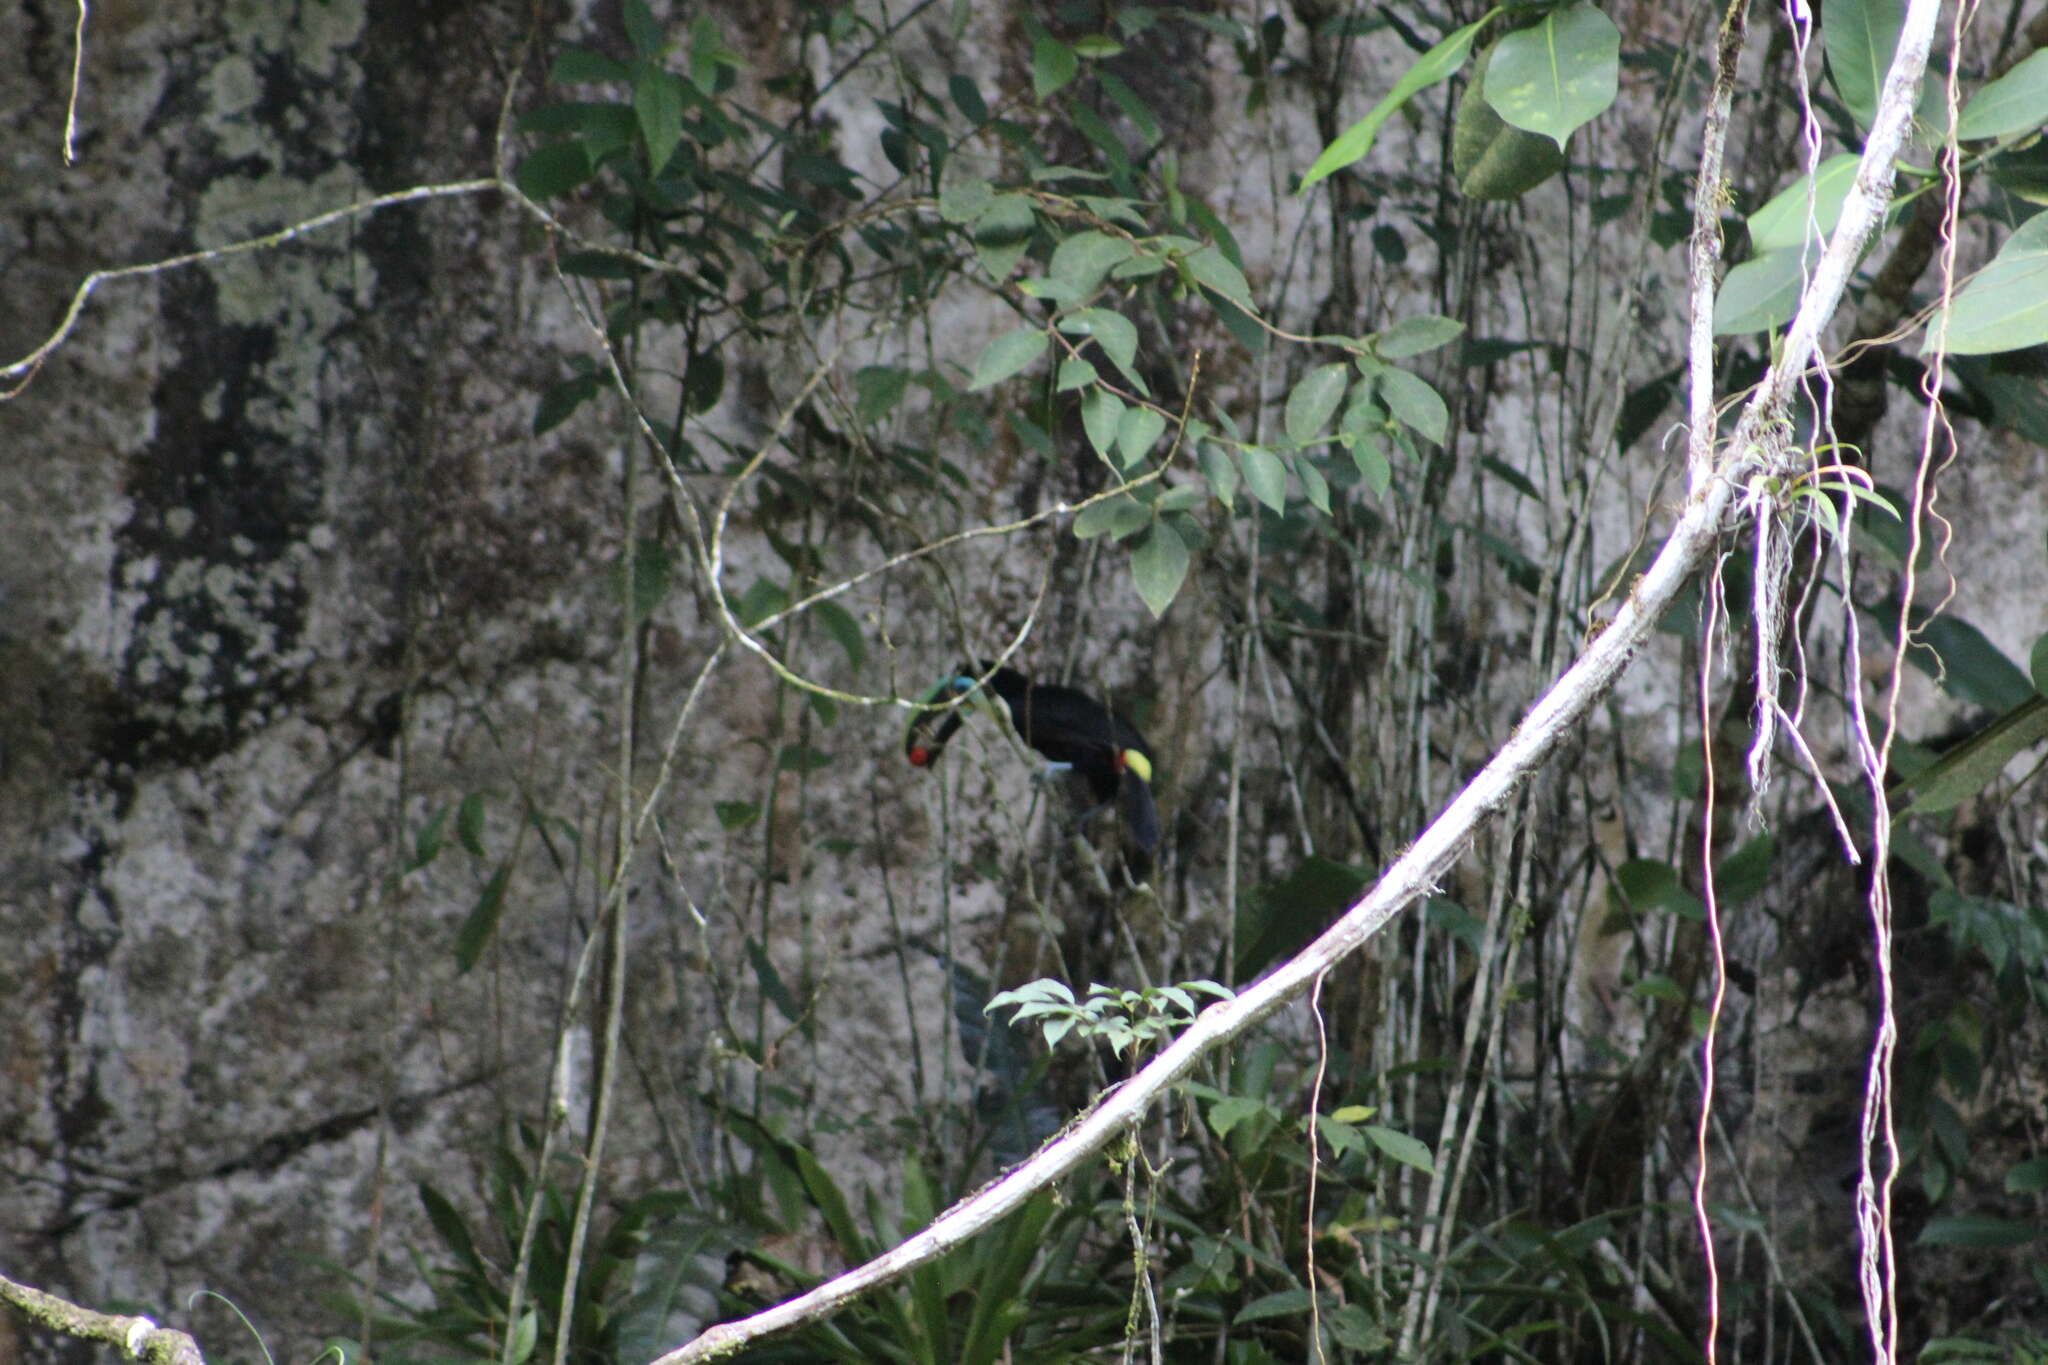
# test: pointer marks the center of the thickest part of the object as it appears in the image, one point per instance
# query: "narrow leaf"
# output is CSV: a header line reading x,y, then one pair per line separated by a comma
x,y
2005,308
1102,413
1265,476
2014,103
1437,64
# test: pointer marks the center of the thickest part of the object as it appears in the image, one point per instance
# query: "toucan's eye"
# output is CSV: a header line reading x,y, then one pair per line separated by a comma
x,y
920,756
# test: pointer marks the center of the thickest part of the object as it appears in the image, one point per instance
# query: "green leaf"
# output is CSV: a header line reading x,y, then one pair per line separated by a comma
x,y
561,400
1859,37
1398,1145
877,390
1102,412
1083,259
1653,885
1415,403
967,98
432,835
2037,663
1763,293
658,104
1413,336
2016,102
643,30
2029,1177
1491,158
1980,1230
840,625
1137,433
1557,76
1118,517
469,823
1075,373
1265,476
552,169
965,200
1314,399
1053,64
1220,472
652,564
581,66
1159,565
1002,232
734,815
1211,268
1975,764
801,758
1437,64
482,920
1113,332
1783,222
2005,307
1008,354
1314,486
1370,455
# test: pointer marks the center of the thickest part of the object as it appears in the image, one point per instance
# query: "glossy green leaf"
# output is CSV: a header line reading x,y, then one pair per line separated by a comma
x,y
1102,413
1314,399
1008,354
1558,75
1265,476
1159,565
1763,293
2005,306
1416,404
1492,158
1859,37
1438,64
2016,102
1816,198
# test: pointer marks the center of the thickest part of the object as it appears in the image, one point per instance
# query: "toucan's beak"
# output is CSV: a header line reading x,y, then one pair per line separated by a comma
x,y
924,738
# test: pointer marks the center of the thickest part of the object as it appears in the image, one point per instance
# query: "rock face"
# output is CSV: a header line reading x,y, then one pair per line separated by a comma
x,y
312,656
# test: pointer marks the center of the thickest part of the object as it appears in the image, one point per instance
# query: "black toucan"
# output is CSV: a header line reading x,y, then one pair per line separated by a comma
x,y
1067,726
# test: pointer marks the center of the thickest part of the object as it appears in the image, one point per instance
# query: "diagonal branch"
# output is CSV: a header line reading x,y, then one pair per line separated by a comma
x,y
1715,496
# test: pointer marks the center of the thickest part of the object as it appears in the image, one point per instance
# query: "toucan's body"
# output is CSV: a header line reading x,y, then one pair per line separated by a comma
x,y
1067,726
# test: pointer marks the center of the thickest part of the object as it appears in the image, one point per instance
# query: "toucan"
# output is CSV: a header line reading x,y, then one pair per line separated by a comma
x,y
1066,725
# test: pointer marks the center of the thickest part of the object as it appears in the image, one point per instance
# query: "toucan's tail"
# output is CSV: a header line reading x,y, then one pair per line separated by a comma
x,y
1141,817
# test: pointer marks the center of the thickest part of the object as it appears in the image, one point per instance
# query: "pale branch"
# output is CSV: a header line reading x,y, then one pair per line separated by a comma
x,y
137,1337
1716,495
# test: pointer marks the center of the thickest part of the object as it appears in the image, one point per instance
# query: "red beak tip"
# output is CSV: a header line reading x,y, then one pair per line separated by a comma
x,y
920,756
